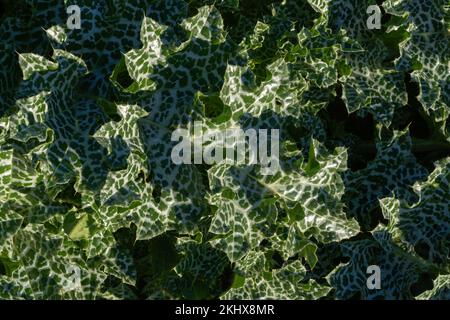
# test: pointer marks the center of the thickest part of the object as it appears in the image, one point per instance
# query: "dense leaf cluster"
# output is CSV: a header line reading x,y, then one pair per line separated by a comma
x,y
93,207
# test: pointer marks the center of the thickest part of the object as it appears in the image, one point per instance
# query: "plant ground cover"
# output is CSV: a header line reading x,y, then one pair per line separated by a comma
x,y
93,207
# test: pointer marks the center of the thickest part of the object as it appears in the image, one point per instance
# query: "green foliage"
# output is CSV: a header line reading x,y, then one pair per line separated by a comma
x,y
93,207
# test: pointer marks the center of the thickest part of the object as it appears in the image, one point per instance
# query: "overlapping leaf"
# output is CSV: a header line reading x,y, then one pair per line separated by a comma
x,y
427,221
393,171
93,206
257,280
399,270
426,53
248,202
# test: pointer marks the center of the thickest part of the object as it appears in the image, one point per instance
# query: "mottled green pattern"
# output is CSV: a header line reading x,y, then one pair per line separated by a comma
x,y
92,205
